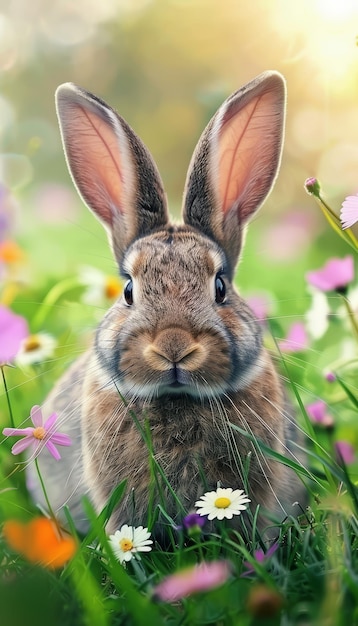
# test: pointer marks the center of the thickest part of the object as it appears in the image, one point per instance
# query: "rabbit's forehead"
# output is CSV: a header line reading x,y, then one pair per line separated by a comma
x,y
173,251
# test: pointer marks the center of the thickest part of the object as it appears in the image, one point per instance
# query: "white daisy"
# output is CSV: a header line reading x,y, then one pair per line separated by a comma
x,y
222,503
100,287
35,349
317,316
129,540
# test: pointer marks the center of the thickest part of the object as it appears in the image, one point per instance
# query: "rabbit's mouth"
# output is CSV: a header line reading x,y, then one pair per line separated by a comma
x,y
176,381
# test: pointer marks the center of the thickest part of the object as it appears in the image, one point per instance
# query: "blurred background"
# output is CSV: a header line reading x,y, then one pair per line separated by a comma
x,y
166,65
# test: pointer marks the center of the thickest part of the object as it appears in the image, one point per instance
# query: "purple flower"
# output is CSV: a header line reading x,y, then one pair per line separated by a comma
x,y
318,414
13,330
344,451
349,211
184,583
42,435
193,522
296,339
334,275
260,557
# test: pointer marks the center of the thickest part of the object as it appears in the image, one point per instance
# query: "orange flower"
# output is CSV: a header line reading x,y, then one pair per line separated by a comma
x,y
39,541
10,252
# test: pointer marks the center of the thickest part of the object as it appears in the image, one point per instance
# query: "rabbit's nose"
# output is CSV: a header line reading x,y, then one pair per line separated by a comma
x,y
174,347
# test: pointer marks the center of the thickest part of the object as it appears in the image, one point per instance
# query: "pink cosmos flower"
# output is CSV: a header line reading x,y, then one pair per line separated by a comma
x,y
201,577
13,330
260,557
344,451
296,339
40,436
334,275
317,411
349,211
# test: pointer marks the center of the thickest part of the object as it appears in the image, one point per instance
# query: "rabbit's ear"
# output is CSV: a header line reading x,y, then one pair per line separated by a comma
x,y
236,162
111,168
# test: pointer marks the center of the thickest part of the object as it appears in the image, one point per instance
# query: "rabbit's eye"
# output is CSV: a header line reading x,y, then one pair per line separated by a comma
x,y
128,292
220,290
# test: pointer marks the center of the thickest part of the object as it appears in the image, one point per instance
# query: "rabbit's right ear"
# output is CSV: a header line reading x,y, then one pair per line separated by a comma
x,y
111,168
236,162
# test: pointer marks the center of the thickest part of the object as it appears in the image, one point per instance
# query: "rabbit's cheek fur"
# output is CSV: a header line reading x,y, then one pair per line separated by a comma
x,y
183,435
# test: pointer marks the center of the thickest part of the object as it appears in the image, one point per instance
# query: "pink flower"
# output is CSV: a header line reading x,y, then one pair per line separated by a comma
x,y
334,275
344,451
260,557
349,211
260,306
201,577
13,330
42,435
318,414
296,339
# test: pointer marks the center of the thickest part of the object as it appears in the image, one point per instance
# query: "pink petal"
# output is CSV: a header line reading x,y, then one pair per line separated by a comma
x,y
60,439
259,556
50,421
296,339
349,211
316,410
13,329
192,580
345,451
51,448
14,432
21,445
335,274
260,307
36,416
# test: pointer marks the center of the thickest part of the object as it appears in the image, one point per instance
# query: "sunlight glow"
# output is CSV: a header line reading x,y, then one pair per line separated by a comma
x,y
337,9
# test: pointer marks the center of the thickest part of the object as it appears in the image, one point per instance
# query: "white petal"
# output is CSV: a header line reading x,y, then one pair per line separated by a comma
x,y
228,513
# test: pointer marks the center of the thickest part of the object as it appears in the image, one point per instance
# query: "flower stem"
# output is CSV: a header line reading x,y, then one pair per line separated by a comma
x,y
51,511
51,298
7,397
334,221
351,315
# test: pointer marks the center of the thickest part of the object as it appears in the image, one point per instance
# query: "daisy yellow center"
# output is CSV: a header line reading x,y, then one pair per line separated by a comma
x,y
32,343
126,544
222,503
39,432
112,287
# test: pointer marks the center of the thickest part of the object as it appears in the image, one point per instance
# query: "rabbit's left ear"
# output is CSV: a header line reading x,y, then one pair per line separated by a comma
x,y
236,162
112,169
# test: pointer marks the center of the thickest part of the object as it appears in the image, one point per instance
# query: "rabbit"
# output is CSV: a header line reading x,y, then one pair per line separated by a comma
x,y
180,353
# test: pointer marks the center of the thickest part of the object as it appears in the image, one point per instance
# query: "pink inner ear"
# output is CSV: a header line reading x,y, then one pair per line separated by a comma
x,y
247,153
95,161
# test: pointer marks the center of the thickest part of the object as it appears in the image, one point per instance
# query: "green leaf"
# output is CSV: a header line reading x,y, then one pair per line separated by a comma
x,y
349,393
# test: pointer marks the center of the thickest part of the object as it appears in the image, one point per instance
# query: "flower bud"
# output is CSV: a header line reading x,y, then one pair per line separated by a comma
x,y
312,186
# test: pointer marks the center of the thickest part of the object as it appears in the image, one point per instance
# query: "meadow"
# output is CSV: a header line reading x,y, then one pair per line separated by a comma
x,y
298,272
